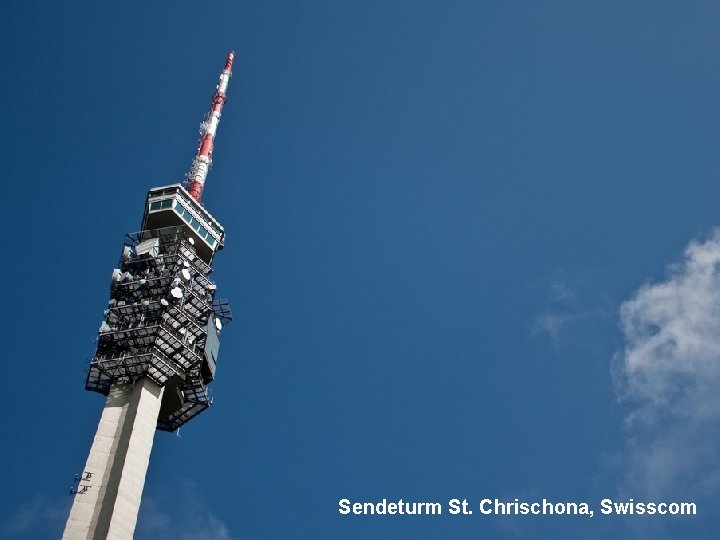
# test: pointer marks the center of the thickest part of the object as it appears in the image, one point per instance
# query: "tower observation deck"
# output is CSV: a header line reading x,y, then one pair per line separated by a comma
x,y
158,344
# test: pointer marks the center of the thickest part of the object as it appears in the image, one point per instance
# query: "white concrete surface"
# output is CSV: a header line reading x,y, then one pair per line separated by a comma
x,y
118,462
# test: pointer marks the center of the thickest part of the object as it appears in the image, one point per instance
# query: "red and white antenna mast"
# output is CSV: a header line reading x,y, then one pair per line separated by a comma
x,y
203,158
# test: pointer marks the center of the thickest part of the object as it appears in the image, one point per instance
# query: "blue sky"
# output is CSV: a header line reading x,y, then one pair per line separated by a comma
x,y
470,253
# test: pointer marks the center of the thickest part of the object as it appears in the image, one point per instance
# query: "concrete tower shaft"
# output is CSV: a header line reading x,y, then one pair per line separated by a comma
x,y
117,464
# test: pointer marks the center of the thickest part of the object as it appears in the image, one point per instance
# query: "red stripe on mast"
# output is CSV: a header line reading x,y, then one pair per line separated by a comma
x,y
203,158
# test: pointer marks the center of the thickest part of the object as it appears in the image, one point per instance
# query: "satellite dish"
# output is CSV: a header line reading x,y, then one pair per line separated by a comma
x,y
182,331
146,303
191,241
185,274
164,302
142,281
186,264
176,292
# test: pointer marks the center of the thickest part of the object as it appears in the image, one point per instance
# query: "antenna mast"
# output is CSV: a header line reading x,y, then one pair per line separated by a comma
x,y
203,158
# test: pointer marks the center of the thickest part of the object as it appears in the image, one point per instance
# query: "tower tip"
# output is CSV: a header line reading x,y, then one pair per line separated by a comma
x,y
230,58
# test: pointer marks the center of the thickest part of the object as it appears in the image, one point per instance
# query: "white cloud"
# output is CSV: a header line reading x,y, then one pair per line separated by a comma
x,y
567,310
160,525
38,516
193,522
670,372
189,519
